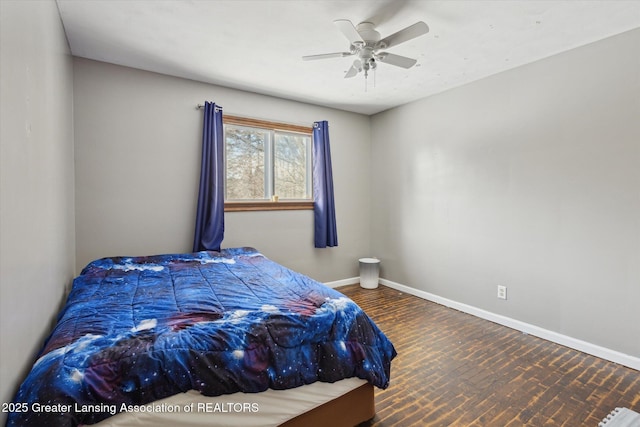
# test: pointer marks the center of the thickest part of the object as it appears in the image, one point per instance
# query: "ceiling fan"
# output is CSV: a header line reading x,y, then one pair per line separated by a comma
x,y
366,44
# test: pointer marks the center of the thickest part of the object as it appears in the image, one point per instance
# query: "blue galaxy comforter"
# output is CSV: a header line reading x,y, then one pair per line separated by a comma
x,y
135,330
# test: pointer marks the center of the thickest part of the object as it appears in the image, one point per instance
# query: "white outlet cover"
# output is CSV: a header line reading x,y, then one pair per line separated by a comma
x,y
502,292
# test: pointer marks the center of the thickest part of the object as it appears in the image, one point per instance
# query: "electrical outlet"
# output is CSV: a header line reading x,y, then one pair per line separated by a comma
x,y
502,292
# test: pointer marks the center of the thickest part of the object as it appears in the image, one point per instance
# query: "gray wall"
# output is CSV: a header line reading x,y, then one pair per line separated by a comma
x,y
528,179
36,183
138,138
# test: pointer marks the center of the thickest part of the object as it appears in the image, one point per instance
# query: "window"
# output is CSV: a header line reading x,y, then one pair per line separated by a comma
x,y
267,165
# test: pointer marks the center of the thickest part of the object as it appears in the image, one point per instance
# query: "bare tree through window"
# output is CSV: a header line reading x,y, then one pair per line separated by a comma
x,y
290,165
261,163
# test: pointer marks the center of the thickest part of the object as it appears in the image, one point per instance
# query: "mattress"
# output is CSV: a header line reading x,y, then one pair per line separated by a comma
x,y
136,330
267,409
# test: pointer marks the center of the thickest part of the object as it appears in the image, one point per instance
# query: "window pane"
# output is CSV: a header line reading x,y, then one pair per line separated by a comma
x,y
245,158
291,180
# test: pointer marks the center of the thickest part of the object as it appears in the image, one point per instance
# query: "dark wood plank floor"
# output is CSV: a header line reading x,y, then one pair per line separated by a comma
x,y
454,369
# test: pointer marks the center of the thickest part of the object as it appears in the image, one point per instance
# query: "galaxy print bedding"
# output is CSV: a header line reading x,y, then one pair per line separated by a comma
x,y
135,330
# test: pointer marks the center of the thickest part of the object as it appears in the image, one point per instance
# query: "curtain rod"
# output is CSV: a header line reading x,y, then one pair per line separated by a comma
x,y
201,106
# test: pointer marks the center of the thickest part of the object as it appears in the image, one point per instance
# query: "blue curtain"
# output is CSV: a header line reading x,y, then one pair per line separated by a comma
x,y
325,231
210,217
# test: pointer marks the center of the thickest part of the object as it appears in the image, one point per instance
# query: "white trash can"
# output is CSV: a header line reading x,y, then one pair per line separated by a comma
x,y
369,271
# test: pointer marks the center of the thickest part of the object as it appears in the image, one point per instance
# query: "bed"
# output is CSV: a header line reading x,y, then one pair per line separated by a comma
x,y
194,338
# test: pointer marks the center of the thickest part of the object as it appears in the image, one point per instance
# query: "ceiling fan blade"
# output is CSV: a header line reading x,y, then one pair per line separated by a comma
x,y
354,70
411,32
349,31
386,11
397,60
327,55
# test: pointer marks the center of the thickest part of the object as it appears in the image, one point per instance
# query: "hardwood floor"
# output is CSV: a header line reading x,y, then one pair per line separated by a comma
x,y
454,369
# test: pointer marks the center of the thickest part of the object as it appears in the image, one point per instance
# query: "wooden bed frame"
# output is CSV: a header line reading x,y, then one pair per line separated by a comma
x,y
348,410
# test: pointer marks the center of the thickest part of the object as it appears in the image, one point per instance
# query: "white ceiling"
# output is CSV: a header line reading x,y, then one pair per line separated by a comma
x,y
257,45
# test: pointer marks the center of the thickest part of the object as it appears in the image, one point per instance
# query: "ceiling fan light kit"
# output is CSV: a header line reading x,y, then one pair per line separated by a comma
x,y
366,43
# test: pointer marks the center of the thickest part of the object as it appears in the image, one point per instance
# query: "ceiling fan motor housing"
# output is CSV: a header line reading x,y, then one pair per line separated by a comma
x,y
367,52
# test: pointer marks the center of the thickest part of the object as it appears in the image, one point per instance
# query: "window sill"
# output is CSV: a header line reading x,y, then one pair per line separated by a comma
x,y
268,206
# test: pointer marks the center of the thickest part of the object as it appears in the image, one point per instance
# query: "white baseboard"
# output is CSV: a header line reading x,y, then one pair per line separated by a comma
x,y
343,282
574,343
